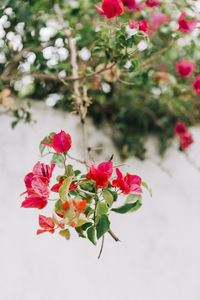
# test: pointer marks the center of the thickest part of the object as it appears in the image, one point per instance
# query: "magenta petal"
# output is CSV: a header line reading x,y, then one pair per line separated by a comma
x,y
135,189
132,179
34,202
28,179
40,187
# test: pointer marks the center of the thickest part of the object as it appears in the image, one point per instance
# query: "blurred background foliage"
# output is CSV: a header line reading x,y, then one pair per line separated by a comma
x,y
141,95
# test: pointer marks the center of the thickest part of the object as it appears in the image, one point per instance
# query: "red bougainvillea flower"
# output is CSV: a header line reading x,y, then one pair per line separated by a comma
x,y
79,205
152,3
110,8
37,185
185,68
142,25
130,184
180,128
55,188
100,173
196,85
157,19
47,224
186,25
129,3
60,142
183,135
186,141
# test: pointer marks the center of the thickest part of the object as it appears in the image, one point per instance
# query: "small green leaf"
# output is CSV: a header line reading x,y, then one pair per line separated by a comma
x,y
58,206
58,159
102,208
144,184
108,197
86,226
65,233
102,226
128,207
133,198
79,230
77,172
69,170
14,124
91,234
64,189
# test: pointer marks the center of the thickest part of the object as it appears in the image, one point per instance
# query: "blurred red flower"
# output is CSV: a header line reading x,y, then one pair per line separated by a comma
x,y
110,8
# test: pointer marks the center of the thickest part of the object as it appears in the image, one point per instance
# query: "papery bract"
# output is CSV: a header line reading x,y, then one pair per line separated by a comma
x,y
186,25
47,224
196,85
130,184
157,19
101,173
37,185
34,201
61,142
185,68
40,169
152,3
142,25
110,8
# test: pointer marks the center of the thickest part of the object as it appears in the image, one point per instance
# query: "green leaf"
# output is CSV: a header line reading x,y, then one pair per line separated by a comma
x,y
14,124
102,208
65,233
77,172
58,206
79,230
91,234
128,207
108,197
58,159
69,170
64,189
52,134
144,184
86,226
133,198
42,147
102,226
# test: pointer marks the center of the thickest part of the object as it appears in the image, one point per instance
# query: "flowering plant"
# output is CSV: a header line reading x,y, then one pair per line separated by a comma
x,y
82,201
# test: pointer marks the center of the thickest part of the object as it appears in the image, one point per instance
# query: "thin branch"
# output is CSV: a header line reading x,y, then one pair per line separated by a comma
x,y
126,82
156,55
101,250
113,235
76,159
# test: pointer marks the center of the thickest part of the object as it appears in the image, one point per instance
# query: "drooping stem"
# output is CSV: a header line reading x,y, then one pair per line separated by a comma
x,y
101,249
113,235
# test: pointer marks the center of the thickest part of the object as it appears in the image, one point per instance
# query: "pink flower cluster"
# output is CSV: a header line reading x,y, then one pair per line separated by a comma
x,y
101,174
70,211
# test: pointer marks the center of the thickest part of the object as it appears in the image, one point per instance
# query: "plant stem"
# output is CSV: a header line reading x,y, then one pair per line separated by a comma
x,y
113,235
101,249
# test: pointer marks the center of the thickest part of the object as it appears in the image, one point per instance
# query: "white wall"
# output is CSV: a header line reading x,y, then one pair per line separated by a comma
x,y
159,256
